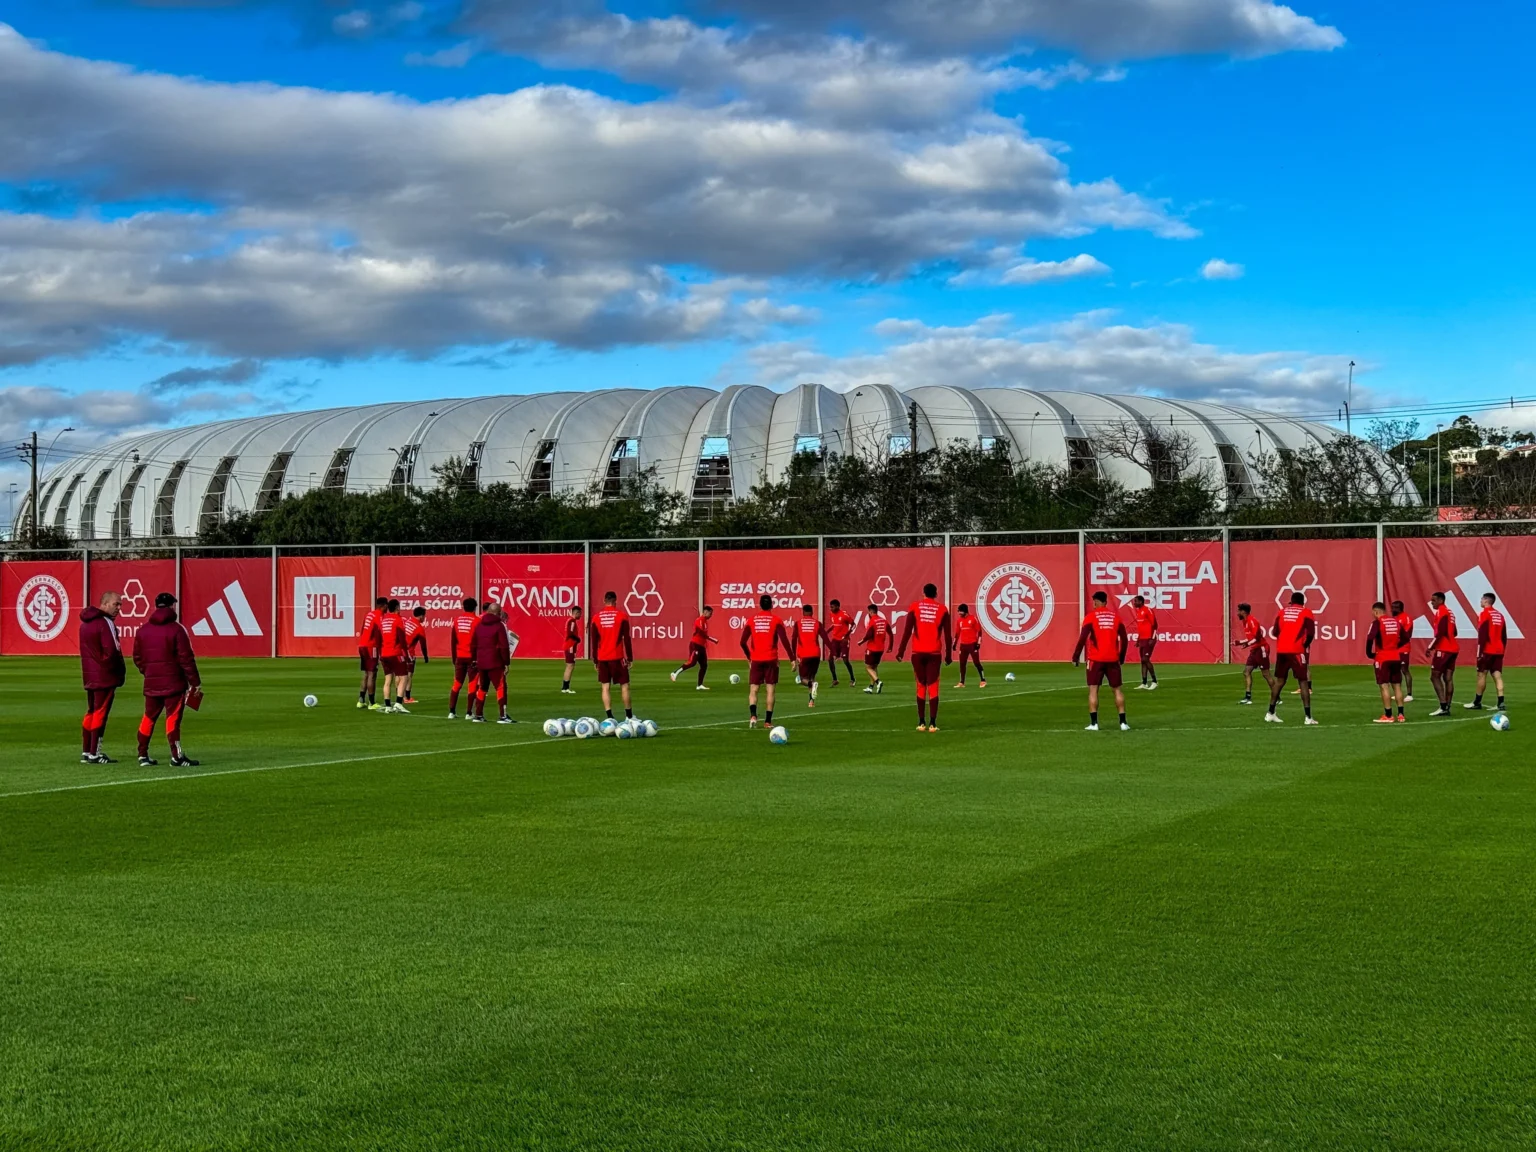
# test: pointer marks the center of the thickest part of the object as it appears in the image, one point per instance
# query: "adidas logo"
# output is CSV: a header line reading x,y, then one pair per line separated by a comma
x,y
1473,583
220,622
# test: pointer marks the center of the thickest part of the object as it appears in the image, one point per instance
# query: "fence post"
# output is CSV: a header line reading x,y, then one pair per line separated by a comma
x,y
177,578
946,567
1082,573
479,590
1226,595
373,575
821,574
274,602
1381,564
699,608
586,576
85,577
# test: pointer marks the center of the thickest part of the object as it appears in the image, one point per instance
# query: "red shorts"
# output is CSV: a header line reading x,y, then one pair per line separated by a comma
x,y
872,659
1389,672
837,649
1145,647
394,665
763,672
570,655
367,659
1444,662
926,667
463,669
1289,662
809,666
1257,658
1102,670
612,672
1491,663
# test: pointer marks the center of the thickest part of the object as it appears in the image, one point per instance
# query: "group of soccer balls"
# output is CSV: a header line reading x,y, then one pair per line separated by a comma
x,y
586,728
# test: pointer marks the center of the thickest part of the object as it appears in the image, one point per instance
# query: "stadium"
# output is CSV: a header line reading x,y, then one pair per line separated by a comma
x,y
703,444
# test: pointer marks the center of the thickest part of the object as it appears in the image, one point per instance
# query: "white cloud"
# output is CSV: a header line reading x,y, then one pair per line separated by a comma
x,y
455,56
1221,270
344,224
354,23
1040,271
1088,353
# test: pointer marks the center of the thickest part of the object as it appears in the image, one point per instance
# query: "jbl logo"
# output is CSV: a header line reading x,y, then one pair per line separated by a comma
x,y
323,606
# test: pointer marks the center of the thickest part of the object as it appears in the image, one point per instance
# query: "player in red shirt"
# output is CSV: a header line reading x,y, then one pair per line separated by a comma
x,y
927,627
839,631
612,652
392,656
809,635
572,647
1105,640
1251,636
698,648
415,641
1293,630
1492,631
877,638
1443,650
1146,640
1405,626
968,635
1382,644
368,652
461,647
761,636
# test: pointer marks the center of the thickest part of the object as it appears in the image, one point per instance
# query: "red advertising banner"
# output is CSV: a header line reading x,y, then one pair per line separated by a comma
x,y
1338,578
437,583
889,577
139,582
1025,597
538,590
321,604
1464,569
733,581
42,602
660,591
226,604
1181,583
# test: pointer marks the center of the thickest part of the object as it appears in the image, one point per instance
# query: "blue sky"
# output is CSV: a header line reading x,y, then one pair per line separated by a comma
x,y
1025,191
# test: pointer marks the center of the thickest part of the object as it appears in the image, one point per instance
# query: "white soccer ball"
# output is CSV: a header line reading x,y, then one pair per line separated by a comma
x,y
608,727
735,679
554,728
779,734
567,727
1499,722
648,728
311,700
585,729
1010,676
625,730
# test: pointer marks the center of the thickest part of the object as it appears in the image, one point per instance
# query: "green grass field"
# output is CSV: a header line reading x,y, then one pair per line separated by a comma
x,y
349,930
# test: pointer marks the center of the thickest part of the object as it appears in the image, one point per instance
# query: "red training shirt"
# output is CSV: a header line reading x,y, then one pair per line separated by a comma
x,y
927,627
761,636
839,624
368,634
1294,629
970,631
1146,624
1491,631
1445,631
1253,633
807,638
391,635
701,635
1383,643
610,635
877,634
1104,636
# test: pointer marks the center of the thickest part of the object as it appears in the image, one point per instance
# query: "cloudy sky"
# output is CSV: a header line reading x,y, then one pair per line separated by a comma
x,y
219,207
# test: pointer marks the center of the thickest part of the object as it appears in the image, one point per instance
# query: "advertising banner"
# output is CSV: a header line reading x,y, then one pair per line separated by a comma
x,y
538,590
889,577
226,605
1338,578
1181,583
1464,569
321,604
42,602
139,582
660,591
1024,595
733,581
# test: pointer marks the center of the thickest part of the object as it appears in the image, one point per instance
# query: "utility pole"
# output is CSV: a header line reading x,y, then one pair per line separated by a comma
x,y
31,449
1349,395
912,456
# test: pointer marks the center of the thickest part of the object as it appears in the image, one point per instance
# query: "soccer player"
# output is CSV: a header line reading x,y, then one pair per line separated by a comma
x,y
1105,640
613,652
761,636
415,640
1381,647
969,629
103,672
1443,650
1293,630
877,637
927,627
572,648
1405,627
698,649
461,644
839,632
1146,640
392,655
1491,632
492,654
1257,643
162,652
809,635
368,652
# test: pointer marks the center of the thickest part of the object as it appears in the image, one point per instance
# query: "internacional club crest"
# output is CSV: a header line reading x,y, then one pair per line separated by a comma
x,y
42,608
1015,603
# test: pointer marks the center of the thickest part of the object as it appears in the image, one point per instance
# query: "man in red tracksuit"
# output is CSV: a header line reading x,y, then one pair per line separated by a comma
x,y
492,653
698,649
462,644
103,671
162,651
927,629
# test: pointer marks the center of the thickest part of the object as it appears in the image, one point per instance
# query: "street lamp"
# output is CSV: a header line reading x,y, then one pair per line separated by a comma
x,y
1437,463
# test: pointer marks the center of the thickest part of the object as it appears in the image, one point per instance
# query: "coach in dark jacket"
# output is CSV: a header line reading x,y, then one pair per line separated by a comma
x,y
493,653
103,672
162,651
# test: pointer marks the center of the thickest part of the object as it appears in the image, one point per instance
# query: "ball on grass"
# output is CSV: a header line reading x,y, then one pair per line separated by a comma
x,y
554,728
311,700
735,679
1010,676
585,728
779,734
1499,722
